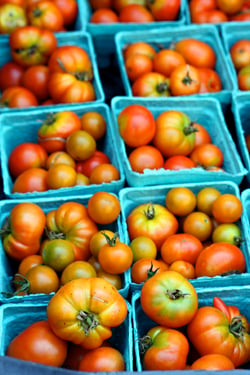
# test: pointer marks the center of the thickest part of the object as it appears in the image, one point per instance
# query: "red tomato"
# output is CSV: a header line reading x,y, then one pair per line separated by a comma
x,y
119,4
26,155
202,135
86,166
184,80
46,15
178,162
185,268
135,13
10,75
210,80
199,7
96,4
145,157
18,97
35,79
104,173
227,208
214,16
207,155
104,15
31,180
151,84
164,10
102,359
138,64
145,268
69,10
136,125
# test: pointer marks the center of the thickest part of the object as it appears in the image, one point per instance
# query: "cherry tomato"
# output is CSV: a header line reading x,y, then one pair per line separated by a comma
x,y
104,173
103,207
10,75
145,157
103,359
31,180
185,196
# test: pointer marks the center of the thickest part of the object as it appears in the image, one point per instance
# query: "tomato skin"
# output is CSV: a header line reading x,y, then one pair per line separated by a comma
x,y
104,16
196,52
28,262
186,269
80,145
207,155
26,155
227,233
151,84
139,47
145,268
178,311
31,180
10,75
76,270
18,97
178,162
165,10
219,258
69,10
174,133
153,221
45,15
95,297
145,157
42,279
230,6
104,173
199,7
166,60
201,135
12,16
184,80
198,224
103,207
35,79
240,53
136,125
180,194
135,13
27,223
86,166
94,123
102,359
227,208
37,343
213,362
210,80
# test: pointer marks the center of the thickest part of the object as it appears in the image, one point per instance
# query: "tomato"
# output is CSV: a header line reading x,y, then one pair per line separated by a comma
x,y
227,233
77,270
94,123
80,145
119,4
196,52
18,97
46,15
227,208
213,362
24,156
198,224
145,157
21,3
178,162
199,7
11,17
104,16
115,257
169,299
221,334
94,262
145,268
230,6
137,65
58,254
182,195
28,262
213,16
37,343
104,173
181,246
35,79
98,240
205,198
143,247
153,221
70,221
103,359
166,60
10,75
139,47
241,16
185,268
61,176
244,78
164,349
41,279
87,166
87,316
210,81
56,128
74,355
69,10
207,155
136,125
164,10
151,84
184,80
240,53
31,180
59,157
220,258
175,134
112,278
31,45
201,135
135,13
103,207
81,179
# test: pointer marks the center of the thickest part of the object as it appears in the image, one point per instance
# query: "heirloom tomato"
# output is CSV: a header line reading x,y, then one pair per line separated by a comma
x,y
60,157
102,359
112,278
230,6
119,4
220,329
169,299
32,46
31,180
184,80
151,84
18,97
205,198
164,10
197,8
213,362
201,135
145,157
139,47
143,247
58,254
83,311
196,52
26,155
227,232
28,262
220,258
151,220
86,166
186,269
37,343
46,15
10,75
61,176
164,349
198,224
23,230
12,16
145,268
175,133
103,207
70,221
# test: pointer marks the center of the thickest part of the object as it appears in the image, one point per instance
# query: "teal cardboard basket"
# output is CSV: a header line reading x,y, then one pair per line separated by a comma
x,y
8,267
25,127
206,111
240,109
133,197
245,198
104,34
164,37
15,318
79,38
236,295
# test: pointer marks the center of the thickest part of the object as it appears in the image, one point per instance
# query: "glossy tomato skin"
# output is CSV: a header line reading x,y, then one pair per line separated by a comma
x,y
103,359
244,78
35,79
145,157
115,257
207,155
69,10
87,317
220,258
37,343
152,84
165,10
42,279
103,207
31,180
178,162
169,299
104,16
166,60
18,97
210,81
27,223
22,41
135,13
45,15
10,75
196,52
153,221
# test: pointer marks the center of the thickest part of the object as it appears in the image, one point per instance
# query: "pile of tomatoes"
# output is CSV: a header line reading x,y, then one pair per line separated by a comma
x,y
138,11
240,55
171,141
67,154
186,67
218,11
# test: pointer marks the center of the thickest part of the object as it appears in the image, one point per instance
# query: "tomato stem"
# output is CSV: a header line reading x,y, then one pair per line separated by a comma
x,y
52,235
236,327
187,80
190,129
80,76
111,241
144,344
176,294
23,285
163,87
150,212
151,272
88,321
